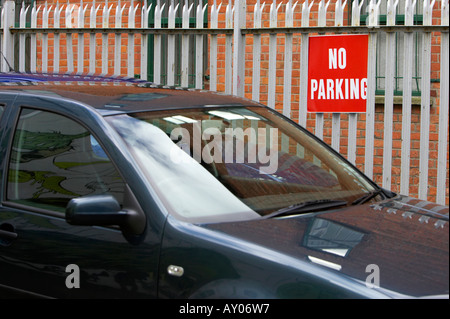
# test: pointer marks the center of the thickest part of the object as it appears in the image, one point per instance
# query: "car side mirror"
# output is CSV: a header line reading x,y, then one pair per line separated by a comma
x,y
104,210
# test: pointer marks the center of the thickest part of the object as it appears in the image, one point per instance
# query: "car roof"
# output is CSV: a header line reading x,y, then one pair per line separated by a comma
x,y
118,94
20,77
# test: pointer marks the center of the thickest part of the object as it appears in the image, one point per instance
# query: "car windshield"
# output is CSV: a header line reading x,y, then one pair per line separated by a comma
x,y
237,163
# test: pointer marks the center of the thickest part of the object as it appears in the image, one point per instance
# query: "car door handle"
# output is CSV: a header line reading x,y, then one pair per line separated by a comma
x,y
7,235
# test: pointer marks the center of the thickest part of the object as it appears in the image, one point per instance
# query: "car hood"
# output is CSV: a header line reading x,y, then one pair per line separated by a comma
x,y
400,244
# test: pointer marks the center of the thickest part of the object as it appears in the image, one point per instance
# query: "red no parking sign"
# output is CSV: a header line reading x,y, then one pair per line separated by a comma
x,y
337,73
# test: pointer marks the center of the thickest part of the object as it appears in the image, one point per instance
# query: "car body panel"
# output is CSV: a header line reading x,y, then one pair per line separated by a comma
x,y
325,254
63,243
37,261
239,269
402,240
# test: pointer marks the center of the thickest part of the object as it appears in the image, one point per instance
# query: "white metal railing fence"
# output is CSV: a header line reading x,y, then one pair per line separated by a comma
x,y
232,25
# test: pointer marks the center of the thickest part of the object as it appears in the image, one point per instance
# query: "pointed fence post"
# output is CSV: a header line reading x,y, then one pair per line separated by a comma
x,y
213,47
56,41
105,24
240,8
443,108
408,60
33,50
92,44
131,37
199,46
8,38
157,43
80,46
144,40
69,43
118,39
185,45
229,49
23,16
287,84
256,81
303,110
371,86
336,117
353,117
272,55
425,102
322,17
45,15
389,96
171,70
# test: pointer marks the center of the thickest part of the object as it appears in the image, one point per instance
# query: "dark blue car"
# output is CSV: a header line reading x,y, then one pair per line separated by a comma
x,y
121,189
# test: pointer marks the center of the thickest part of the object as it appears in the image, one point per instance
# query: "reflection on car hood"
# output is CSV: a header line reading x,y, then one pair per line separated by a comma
x,y
406,239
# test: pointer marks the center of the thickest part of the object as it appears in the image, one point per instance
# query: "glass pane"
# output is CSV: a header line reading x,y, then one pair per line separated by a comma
x,y
55,159
218,162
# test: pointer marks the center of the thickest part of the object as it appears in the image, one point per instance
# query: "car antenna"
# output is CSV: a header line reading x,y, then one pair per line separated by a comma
x,y
6,60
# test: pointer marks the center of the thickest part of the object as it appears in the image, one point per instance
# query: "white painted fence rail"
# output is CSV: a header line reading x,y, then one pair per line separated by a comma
x,y
228,32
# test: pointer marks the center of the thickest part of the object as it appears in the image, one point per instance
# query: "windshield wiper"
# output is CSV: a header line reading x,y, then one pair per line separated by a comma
x,y
308,206
367,197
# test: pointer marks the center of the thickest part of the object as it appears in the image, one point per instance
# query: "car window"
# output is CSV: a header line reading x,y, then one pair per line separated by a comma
x,y
228,163
55,159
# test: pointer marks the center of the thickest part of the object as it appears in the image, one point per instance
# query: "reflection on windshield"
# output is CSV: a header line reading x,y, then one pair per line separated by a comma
x,y
234,163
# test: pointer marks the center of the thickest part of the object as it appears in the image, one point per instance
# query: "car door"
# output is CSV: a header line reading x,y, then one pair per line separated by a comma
x,y
49,160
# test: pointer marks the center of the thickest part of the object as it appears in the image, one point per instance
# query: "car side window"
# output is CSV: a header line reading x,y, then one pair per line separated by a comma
x,y
55,159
